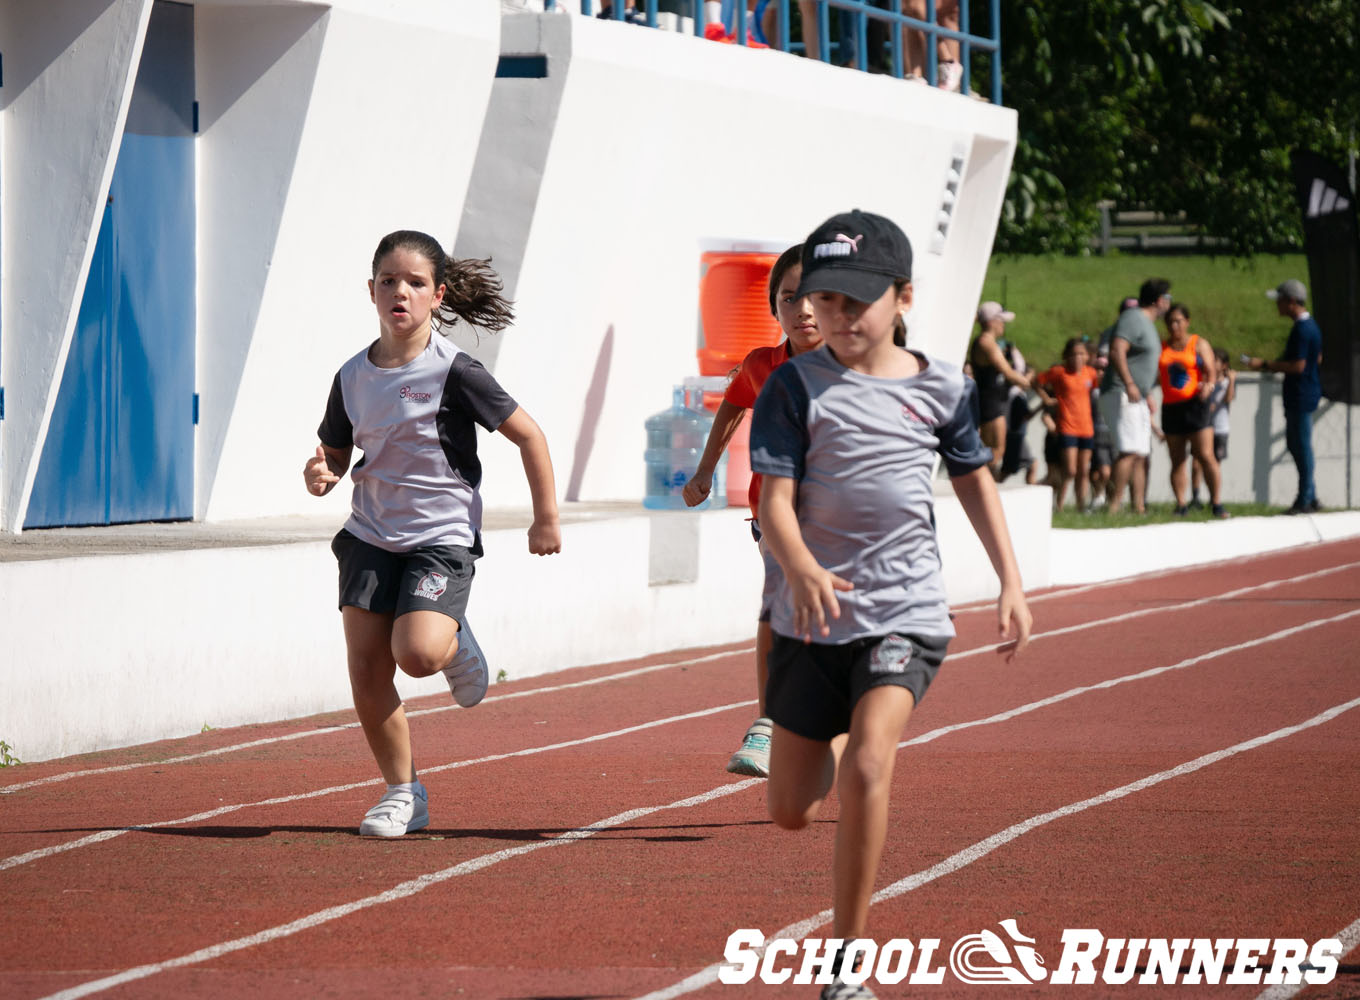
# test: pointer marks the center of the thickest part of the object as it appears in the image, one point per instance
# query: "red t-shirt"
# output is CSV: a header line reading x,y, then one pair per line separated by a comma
x,y
1073,393
755,368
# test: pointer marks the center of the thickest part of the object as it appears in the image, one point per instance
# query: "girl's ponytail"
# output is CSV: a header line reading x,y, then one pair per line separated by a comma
x,y
473,293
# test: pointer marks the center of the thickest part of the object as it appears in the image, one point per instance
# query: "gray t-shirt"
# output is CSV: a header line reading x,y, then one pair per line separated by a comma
x,y
1145,348
862,450
417,482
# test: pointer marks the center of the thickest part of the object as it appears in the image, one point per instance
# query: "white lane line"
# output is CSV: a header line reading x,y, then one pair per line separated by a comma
x,y
97,838
1011,713
926,737
402,891
269,740
1349,939
1162,609
51,779
979,850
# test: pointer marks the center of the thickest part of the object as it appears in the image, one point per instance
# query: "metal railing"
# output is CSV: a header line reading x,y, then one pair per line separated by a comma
x,y
861,13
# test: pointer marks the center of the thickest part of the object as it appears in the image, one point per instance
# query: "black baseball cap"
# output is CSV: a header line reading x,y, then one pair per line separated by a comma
x,y
857,254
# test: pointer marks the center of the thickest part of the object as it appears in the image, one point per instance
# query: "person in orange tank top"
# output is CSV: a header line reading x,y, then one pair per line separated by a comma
x,y
801,334
1184,372
1068,388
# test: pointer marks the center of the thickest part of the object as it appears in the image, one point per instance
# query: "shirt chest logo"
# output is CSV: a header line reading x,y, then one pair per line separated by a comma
x,y
911,415
413,395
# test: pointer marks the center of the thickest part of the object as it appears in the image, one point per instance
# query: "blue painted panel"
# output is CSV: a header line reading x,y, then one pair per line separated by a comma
x,y
152,372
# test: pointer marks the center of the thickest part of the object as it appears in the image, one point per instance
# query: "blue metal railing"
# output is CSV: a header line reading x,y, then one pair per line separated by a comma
x,y
860,13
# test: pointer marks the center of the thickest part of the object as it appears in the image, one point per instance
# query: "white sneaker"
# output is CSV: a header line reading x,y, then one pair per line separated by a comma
x,y
399,811
468,674
951,76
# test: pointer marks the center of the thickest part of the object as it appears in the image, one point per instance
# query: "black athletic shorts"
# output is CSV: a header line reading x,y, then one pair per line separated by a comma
x,y
814,687
433,578
1186,417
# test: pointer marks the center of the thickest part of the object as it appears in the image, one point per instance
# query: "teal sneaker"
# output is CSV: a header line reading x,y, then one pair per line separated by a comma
x,y
753,759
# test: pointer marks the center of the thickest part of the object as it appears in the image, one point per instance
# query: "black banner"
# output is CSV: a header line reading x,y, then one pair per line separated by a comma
x,y
1331,238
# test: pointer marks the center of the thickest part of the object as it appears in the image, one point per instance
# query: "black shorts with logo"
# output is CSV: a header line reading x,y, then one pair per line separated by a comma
x,y
433,578
814,687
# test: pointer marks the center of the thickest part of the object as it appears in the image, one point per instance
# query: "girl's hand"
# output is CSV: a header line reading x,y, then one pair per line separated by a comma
x,y
1013,609
545,537
317,474
814,598
696,490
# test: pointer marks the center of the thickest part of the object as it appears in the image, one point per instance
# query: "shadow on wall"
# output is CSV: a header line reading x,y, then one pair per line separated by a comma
x,y
590,415
48,29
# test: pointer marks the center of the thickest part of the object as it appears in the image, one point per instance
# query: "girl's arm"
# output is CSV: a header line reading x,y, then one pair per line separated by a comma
x,y
814,587
977,493
1232,387
1207,362
725,423
324,469
545,534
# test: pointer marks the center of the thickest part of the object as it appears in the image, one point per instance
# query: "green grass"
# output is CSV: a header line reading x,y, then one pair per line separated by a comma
x,y
1054,298
1157,513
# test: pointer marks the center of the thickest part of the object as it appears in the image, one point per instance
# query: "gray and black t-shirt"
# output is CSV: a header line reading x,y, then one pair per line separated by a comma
x,y
417,482
862,450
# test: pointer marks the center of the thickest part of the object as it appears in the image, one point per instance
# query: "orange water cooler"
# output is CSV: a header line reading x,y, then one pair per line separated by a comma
x,y
734,313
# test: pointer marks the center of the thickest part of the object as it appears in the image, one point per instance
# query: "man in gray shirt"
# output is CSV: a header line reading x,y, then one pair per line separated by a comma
x,y
1135,350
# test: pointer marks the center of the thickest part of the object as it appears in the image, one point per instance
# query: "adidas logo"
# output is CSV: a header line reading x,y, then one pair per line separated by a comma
x,y
1324,200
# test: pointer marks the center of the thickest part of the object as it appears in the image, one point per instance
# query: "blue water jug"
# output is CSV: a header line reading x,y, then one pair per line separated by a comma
x,y
675,443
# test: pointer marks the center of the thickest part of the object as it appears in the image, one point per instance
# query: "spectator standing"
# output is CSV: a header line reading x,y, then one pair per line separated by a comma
x,y
994,372
1184,372
1132,372
1068,387
1220,399
1302,389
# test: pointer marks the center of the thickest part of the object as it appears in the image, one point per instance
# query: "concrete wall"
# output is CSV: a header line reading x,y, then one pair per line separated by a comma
x,y
598,186
308,153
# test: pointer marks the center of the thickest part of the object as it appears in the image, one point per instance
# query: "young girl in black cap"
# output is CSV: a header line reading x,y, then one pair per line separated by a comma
x,y
846,439
410,402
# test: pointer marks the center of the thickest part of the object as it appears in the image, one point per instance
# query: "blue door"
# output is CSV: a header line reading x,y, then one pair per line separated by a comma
x,y
120,446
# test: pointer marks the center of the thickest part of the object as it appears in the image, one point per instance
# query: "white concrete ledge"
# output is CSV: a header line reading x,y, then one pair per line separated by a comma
x,y
101,651
1097,554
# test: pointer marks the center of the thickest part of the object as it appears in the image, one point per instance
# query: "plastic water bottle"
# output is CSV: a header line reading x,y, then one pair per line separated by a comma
x,y
675,443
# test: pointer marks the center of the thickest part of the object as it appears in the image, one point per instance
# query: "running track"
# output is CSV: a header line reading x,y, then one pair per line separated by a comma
x,y
1174,756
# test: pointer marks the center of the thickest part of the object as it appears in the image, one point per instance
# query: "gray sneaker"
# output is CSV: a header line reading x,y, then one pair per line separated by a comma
x,y
753,758
468,674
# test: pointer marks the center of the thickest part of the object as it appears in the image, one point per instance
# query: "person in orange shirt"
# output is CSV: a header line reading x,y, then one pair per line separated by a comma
x,y
1068,388
801,334
1185,370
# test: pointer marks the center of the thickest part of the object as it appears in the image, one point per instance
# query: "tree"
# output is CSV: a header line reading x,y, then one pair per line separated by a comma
x,y
1179,105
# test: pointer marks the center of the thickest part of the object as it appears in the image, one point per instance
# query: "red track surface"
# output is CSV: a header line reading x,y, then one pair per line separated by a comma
x,y
563,860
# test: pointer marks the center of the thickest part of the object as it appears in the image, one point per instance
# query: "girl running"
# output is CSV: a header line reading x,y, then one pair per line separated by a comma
x,y
846,438
410,402
794,314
